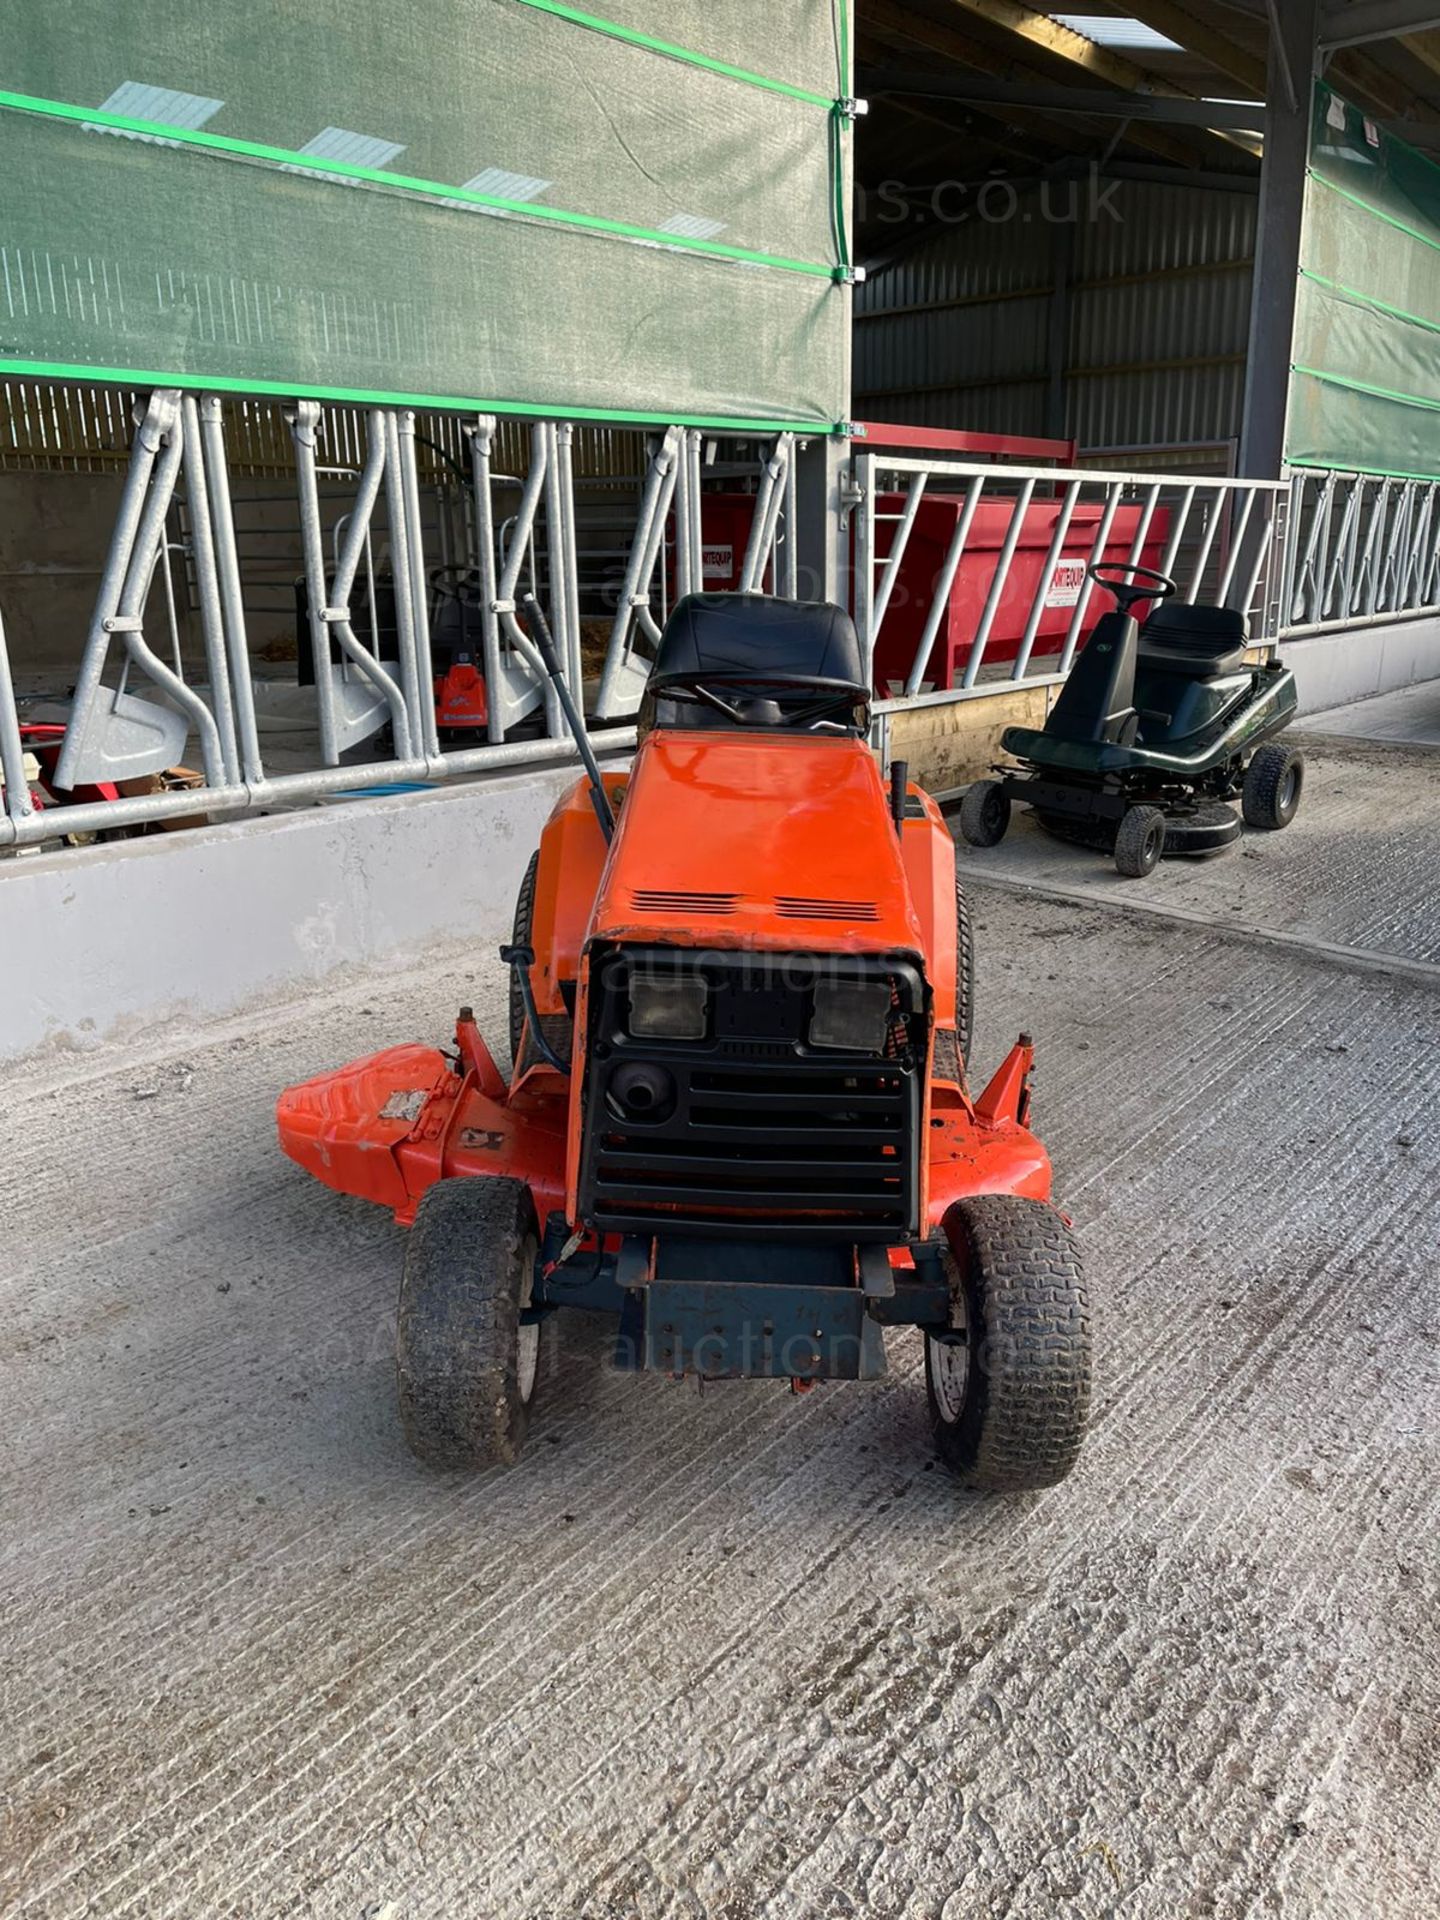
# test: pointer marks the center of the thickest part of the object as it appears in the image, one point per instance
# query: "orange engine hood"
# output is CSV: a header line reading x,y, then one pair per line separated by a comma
x,y
778,841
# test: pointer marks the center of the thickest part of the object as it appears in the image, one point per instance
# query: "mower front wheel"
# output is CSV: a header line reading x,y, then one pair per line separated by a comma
x,y
1009,1385
985,813
1140,842
466,1364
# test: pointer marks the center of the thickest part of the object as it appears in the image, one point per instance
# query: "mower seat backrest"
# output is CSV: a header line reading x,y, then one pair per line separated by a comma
x,y
1198,642
1097,702
755,643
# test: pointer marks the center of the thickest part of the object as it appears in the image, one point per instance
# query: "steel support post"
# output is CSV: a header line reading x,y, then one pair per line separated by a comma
x,y
232,599
1288,87
822,519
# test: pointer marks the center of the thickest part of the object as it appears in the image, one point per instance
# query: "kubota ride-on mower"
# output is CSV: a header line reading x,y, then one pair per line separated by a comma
x,y
738,1116
1156,729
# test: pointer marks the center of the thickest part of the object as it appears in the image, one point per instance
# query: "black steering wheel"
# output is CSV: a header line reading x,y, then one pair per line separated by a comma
x,y
1127,596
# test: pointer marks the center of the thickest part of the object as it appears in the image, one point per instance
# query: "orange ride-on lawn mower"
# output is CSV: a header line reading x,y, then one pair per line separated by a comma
x,y
739,1116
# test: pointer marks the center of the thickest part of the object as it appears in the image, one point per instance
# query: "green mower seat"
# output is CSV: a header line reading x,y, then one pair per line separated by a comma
x,y
1199,643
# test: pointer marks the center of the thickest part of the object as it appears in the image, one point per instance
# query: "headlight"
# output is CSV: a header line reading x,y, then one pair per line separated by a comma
x,y
668,1006
851,1014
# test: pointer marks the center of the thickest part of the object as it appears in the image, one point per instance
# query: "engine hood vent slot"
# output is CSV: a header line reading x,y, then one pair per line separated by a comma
x,y
801,907
676,900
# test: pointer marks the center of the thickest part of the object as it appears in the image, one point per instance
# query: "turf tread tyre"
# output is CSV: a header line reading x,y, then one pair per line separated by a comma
x,y
985,814
524,919
457,1340
1027,1316
964,975
1140,842
1265,801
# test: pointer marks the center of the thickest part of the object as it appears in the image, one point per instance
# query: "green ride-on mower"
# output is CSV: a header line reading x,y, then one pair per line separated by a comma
x,y
1156,730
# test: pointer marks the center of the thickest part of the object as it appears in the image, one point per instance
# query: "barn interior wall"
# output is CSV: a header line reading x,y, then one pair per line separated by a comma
x,y
1145,286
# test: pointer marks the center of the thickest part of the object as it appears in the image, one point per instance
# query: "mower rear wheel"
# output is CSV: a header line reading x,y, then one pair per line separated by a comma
x,y
1274,781
524,918
985,813
1010,1387
466,1366
1140,842
964,975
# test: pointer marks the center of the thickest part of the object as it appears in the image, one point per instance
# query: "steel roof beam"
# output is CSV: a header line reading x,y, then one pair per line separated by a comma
x,y
1357,24
1106,102
1050,37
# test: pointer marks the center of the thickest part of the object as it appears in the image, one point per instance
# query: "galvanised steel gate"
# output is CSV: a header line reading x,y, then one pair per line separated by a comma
x,y
1318,552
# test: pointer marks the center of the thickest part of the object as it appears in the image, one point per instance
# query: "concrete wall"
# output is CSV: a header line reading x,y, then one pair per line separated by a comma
x,y
948,743
1331,669
107,942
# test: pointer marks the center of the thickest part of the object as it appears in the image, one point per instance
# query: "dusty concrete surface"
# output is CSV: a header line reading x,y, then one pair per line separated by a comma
x,y
1412,713
741,1654
1359,866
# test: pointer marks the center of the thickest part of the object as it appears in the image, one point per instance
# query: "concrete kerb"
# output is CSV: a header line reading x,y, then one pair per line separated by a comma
x,y
111,942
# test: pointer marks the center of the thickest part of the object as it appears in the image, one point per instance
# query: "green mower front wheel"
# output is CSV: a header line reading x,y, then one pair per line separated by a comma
x,y
1140,842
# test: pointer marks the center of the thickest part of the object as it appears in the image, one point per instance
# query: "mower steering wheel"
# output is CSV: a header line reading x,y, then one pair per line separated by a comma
x,y
1127,595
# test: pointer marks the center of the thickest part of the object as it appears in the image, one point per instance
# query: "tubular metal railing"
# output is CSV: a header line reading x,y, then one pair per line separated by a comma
x,y
964,578
134,713
1364,548
1027,536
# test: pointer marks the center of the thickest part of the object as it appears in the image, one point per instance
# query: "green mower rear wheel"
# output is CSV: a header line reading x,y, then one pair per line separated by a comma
x,y
1009,1387
985,813
1274,781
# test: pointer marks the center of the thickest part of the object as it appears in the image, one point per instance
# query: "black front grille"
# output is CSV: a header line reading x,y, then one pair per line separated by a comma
x,y
751,1130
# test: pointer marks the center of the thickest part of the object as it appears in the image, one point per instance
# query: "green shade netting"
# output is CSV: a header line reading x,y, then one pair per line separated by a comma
x,y
457,262
1365,389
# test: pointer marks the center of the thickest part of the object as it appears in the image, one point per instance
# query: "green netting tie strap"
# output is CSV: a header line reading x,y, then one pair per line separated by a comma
x,y
427,402
1378,213
406,183
1371,300
1363,473
1365,386
633,37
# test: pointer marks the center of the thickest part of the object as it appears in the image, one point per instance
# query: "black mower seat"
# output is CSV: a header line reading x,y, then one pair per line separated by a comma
x,y
738,636
1197,642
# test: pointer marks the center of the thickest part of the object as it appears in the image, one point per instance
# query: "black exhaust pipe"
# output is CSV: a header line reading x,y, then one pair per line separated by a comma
x,y
545,646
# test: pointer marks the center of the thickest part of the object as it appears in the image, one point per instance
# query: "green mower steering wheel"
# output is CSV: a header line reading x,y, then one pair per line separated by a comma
x,y
1127,595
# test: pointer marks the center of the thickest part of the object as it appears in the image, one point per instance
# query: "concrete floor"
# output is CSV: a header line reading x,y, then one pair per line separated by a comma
x,y
1410,713
1358,867
740,1654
